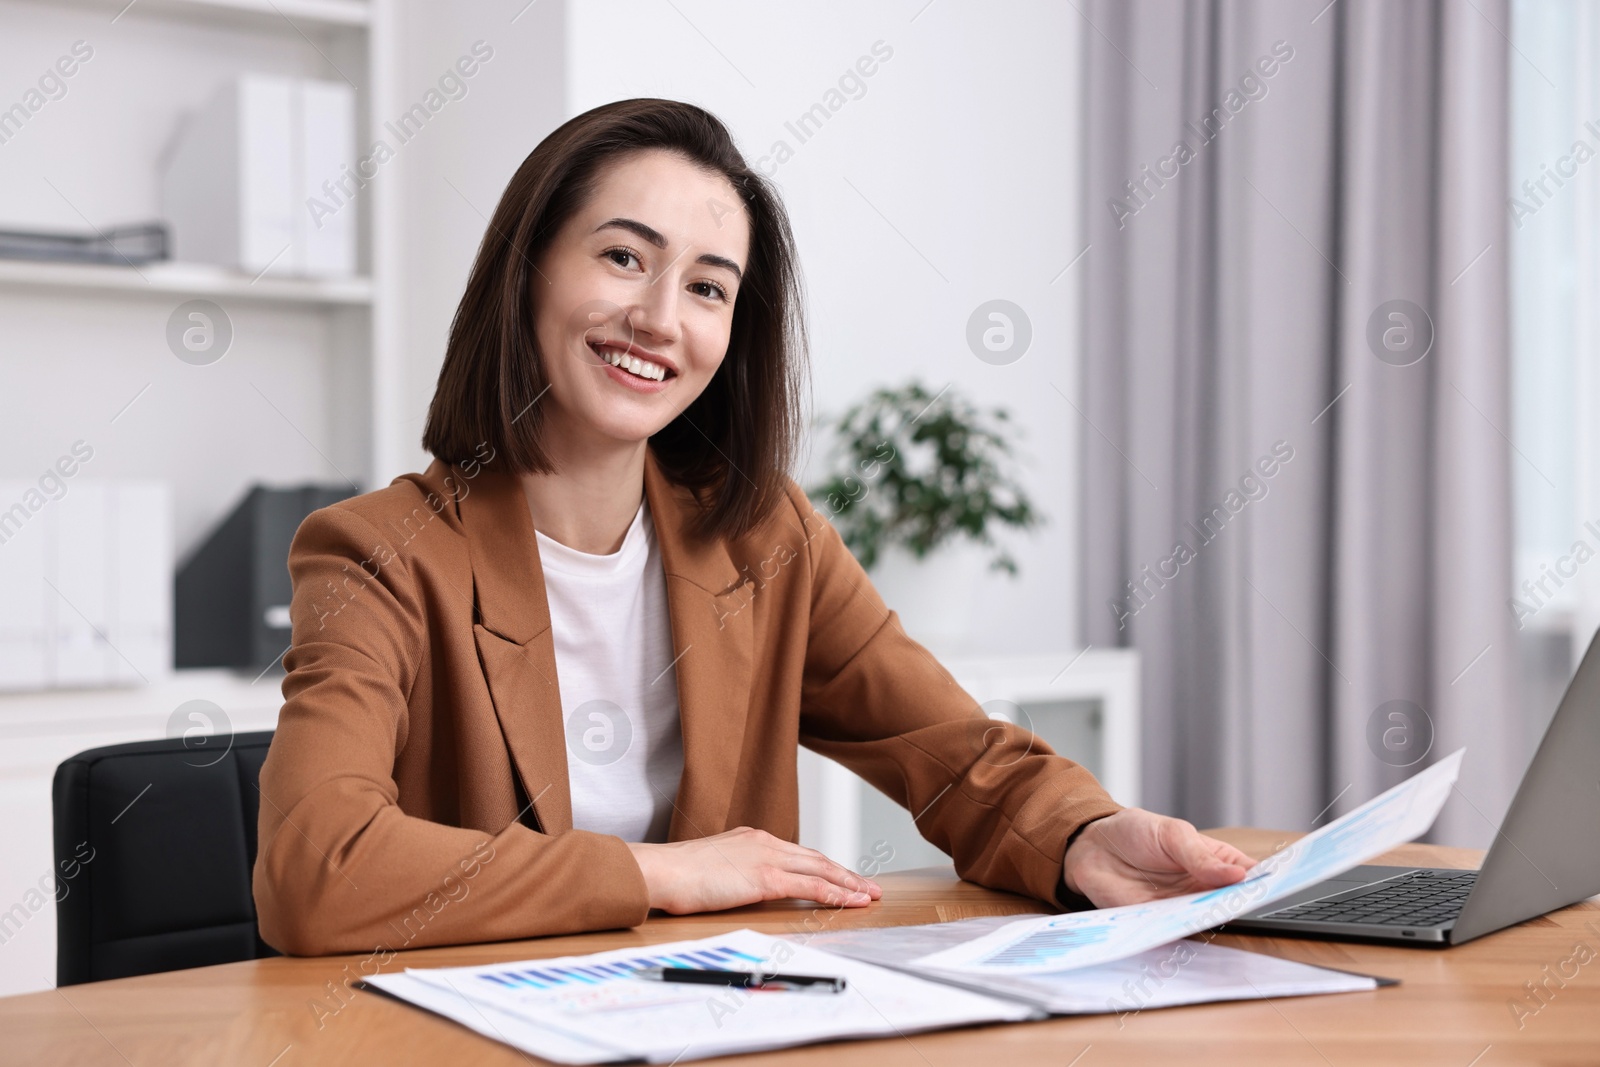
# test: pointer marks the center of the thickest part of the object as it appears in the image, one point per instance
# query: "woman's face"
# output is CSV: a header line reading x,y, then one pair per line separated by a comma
x,y
633,301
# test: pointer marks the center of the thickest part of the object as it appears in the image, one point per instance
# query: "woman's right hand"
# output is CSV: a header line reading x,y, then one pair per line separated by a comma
x,y
744,866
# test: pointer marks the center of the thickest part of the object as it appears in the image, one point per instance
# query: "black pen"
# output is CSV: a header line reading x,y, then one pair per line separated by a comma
x,y
803,983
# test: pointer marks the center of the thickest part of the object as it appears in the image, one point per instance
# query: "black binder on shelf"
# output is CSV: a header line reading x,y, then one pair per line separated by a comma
x,y
231,607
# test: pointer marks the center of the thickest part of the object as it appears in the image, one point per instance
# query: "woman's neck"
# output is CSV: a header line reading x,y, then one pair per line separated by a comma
x,y
591,499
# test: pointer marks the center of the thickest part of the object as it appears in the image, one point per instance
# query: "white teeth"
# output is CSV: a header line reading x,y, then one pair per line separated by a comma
x,y
634,365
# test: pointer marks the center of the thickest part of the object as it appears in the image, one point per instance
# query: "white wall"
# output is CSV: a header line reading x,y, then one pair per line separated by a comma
x,y
964,140
451,175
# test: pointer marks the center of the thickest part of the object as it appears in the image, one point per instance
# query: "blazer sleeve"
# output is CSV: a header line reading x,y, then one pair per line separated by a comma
x,y
340,866
989,793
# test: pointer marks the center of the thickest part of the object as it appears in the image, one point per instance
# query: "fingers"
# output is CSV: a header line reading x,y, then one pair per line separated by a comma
x,y
817,888
1146,856
809,861
1227,853
1195,852
793,870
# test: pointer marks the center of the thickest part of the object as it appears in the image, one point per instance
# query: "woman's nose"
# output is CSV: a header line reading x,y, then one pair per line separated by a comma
x,y
655,312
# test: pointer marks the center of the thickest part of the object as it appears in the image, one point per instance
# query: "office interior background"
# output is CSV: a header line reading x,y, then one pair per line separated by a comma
x,y
1292,308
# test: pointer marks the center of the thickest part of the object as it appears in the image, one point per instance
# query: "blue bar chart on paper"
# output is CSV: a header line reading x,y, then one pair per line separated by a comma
x,y
597,1009
718,957
1049,945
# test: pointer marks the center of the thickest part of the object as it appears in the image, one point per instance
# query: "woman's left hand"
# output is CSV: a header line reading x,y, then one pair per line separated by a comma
x,y
1137,855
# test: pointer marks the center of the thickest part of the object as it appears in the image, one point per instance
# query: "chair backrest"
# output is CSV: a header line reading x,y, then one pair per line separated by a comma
x,y
154,845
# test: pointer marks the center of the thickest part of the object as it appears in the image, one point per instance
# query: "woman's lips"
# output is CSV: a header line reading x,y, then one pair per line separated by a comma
x,y
633,381
643,364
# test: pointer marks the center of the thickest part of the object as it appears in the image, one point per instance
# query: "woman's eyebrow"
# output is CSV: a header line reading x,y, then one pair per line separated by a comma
x,y
651,234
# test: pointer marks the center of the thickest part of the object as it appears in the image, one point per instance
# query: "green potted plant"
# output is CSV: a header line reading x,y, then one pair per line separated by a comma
x,y
920,469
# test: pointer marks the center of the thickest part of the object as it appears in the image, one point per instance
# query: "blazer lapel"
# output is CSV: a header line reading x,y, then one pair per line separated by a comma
x,y
515,645
712,642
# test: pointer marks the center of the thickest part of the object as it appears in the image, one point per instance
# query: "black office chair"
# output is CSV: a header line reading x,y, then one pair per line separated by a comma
x,y
154,845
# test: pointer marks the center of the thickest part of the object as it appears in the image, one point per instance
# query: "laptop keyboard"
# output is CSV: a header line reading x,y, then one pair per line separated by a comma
x,y
1415,898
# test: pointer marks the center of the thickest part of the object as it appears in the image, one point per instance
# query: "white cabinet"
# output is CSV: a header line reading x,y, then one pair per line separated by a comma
x,y
85,584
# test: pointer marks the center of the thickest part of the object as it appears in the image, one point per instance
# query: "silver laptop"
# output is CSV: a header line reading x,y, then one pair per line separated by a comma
x,y
1545,856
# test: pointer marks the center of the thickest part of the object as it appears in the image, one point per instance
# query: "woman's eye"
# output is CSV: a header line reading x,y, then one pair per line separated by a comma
x,y
623,257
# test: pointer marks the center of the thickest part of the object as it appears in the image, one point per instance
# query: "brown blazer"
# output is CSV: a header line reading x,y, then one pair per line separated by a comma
x,y
416,791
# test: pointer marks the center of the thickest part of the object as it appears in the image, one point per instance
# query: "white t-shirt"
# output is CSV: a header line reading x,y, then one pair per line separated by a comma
x,y
619,700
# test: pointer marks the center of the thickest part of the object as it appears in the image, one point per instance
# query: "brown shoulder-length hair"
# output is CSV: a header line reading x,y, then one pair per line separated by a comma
x,y
734,445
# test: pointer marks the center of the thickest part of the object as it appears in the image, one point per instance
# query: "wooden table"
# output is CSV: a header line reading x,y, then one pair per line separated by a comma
x,y
1452,1008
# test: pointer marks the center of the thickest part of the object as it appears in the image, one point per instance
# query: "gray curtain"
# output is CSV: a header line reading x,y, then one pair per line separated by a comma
x,y
1297,488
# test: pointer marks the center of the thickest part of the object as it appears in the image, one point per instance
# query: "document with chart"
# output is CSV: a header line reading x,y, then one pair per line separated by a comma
x,y
1184,972
599,1009
596,1008
1087,938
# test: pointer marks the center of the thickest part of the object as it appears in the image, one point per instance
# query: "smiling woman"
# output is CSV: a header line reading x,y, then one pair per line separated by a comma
x,y
562,664
635,229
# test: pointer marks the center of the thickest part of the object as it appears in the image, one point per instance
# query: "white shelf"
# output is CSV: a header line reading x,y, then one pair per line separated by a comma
x,y
137,711
285,15
188,279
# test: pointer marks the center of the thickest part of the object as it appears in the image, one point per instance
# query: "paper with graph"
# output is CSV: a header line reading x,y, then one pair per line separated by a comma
x,y
594,1008
1086,938
1184,972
